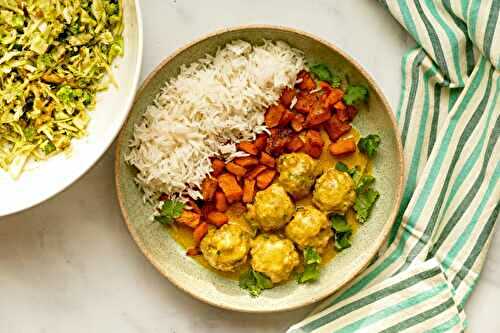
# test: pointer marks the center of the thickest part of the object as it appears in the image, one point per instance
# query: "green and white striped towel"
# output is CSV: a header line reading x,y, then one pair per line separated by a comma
x,y
449,117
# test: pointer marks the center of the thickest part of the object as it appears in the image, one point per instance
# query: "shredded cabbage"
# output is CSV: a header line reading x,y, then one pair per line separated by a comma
x,y
53,57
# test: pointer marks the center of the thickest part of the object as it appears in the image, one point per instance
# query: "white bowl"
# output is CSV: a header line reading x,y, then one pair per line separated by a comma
x,y
45,179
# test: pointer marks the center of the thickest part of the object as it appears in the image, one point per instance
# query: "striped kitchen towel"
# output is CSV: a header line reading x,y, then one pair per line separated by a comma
x,y
449,118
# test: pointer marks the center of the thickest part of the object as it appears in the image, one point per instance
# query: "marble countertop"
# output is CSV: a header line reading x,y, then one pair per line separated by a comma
x,y
69,264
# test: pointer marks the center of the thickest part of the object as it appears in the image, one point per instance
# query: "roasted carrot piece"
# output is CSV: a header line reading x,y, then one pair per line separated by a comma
x,y
307,82
247,147
230,187
208,187
317,116
273,115
248,190
278,142
351,111
189,218
331,98
287,96
255,171
193,251
267,159
220,201
200,231
194,207
206,209
295,144
217,167
342,147
236,169
314,144
246,161
313,151
261,141
314,137
336,128
217,218
287,117
265,178
343,115
297,123
306,101
325,86
339,105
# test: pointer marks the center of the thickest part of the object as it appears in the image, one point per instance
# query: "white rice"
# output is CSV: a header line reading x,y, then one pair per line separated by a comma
x,y
212,104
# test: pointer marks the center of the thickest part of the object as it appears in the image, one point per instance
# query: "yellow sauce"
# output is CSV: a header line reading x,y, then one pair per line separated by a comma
x,y
184,235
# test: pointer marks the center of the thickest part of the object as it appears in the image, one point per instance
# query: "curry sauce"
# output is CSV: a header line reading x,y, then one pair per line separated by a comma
x,y
184,235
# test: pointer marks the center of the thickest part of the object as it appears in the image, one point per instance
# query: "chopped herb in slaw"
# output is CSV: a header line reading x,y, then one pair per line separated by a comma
x,y
54,55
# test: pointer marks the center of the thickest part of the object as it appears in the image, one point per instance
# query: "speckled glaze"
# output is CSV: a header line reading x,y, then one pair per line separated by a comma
x,y
168,257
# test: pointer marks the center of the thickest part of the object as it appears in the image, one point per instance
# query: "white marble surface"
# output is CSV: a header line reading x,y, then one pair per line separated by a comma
x,y
69,264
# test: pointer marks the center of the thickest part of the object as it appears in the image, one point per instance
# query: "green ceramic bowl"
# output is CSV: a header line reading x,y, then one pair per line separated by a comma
x,y
168,257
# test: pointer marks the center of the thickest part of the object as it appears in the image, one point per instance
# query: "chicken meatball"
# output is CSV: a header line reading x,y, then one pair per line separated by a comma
x,y
273,256
226,248
297,173
309,228
334,192
272,208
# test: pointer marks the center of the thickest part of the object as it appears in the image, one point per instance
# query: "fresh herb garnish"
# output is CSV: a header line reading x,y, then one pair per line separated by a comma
x,y
343,241
311,256
322,73
339,223
355,95
369,144
311,266
364,182
343,232
341,166
364,203
170,210
254,282
361,181
365,195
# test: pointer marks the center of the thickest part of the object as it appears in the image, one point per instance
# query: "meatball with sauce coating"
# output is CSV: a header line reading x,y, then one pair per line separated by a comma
x,y
273,256
272,208
309,228
297,173
334,192
226,248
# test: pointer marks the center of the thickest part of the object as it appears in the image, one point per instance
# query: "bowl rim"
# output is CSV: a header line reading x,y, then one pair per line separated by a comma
x,y
91,162
387,226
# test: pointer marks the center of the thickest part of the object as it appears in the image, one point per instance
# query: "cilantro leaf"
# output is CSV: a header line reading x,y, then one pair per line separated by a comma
x,y
343,241
322,73
341,166
369,144
364,203
170,210
311,273
339,224
355,95
311,256
343,231
364,182
312,259
254,282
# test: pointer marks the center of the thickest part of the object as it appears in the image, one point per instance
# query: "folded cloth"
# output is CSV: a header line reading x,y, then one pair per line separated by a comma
x,y
449,118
